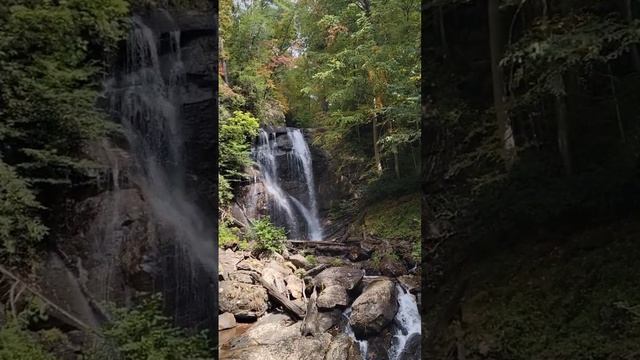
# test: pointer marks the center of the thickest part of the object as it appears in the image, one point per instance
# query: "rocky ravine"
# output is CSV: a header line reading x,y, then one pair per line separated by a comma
x,y
284,307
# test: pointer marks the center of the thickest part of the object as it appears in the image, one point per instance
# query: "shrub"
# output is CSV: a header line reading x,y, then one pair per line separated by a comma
x,y
16,344
143,332
20,228
226,236
311,259
268,237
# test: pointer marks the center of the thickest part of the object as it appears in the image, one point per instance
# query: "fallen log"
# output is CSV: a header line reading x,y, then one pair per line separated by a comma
x,y
292,307
317,269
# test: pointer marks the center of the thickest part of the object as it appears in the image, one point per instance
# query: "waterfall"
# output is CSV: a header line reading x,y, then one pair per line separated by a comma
x,y
284,162
145,96
407,320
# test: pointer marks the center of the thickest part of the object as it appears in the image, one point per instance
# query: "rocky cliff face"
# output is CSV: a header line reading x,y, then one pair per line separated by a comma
x,y
110,236
327,187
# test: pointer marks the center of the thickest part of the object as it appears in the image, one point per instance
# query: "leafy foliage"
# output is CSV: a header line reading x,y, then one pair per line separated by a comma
x,y
142,332
267,236
51,55
17,344
20,229
235,134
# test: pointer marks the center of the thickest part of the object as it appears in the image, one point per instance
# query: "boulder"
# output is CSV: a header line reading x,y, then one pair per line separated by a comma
x,y
300,261
345,276
328,319
227,261
245,301
242,276
226,321
294,286
279,267
308,348
343,348
270,329
250,264
391,266
374,309
333,296
379,345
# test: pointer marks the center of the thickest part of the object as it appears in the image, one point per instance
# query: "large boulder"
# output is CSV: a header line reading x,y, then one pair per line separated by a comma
x,y
343,348
374,309
244,301
333,296
270,329
308,348
300,261
345,276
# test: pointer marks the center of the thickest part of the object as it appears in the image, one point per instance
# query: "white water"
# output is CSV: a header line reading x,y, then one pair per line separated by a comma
x,y
148,107
407,320
362,344
301,151
300,217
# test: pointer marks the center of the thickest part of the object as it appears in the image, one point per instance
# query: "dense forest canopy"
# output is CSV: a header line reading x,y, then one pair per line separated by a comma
x,y
52,57
348,68
532,137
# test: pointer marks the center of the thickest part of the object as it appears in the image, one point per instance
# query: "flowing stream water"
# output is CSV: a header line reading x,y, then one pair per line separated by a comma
x,y
407,324
296,211
145,95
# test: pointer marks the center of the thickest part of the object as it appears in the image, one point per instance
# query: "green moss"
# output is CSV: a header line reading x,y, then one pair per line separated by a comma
x,y
311,259
395,218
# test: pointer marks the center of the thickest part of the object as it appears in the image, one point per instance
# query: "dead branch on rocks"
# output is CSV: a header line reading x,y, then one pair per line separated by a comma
x,y
274,293
14,296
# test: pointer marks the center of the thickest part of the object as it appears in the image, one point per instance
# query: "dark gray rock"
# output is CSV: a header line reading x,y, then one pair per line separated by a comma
x,y
333,296
345,276
343,348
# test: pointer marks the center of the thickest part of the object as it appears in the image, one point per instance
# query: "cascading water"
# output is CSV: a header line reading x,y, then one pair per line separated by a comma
x,y
407,320
298,214
407,323
362,344
146,97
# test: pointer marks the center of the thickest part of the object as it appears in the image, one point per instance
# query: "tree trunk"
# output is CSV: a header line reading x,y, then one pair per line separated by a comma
x,y
628,14
396,161
563,130
504,126
443,33
376,147
616,104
